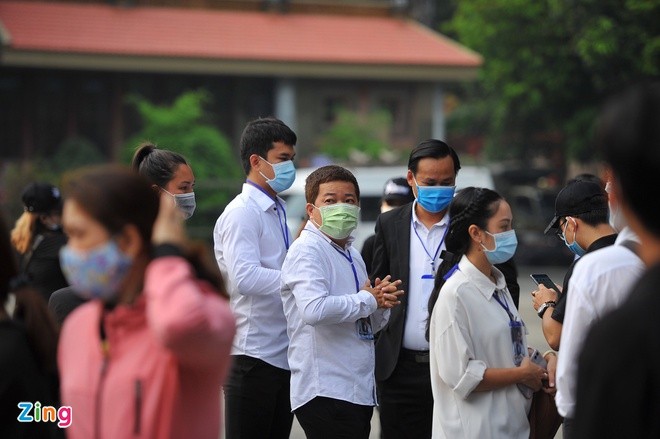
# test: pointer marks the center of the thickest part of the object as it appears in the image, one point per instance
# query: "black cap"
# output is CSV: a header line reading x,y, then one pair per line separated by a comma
x,y
397,192
576,198
41,198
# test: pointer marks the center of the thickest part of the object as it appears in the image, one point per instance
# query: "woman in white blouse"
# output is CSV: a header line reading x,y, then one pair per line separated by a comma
x,y
475,329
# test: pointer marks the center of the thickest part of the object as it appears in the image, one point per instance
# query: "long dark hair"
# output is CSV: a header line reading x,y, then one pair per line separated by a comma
x,y
470,206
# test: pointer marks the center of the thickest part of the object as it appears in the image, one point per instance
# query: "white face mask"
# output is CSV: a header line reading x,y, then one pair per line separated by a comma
x,y
616,218
185,202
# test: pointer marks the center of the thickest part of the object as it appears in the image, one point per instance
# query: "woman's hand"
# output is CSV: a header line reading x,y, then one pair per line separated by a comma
x,y
549,385
168,227
532,374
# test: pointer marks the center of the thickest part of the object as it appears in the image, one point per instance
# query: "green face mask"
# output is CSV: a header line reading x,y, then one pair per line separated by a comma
x,y
339,220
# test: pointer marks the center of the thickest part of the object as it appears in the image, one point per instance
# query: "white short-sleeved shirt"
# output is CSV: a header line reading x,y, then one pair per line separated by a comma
x,y
600,282
469,333
321,304
250,248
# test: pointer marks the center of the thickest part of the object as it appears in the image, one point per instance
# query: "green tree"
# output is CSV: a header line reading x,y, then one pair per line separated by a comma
x,y
548,64
354,135
182,127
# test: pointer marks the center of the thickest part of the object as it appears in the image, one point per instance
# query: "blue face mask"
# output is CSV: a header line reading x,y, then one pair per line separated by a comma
x,y
574,246
285,174
434,199
98,273
505,247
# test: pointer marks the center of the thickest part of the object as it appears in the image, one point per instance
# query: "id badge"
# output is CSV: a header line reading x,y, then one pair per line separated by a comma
x,y
363,327
517,331
428,281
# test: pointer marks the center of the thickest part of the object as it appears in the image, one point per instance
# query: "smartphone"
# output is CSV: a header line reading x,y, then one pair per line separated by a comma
x,y
537,358
544,279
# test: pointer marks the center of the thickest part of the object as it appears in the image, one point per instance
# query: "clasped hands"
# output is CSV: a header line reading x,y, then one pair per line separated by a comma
x,y
385,291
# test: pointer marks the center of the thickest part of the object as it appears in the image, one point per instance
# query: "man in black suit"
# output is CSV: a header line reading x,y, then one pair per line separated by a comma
x,y
408,244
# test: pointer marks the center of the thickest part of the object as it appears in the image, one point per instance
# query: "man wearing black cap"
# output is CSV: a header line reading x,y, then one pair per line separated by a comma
x,y
395,193
38,237
581,221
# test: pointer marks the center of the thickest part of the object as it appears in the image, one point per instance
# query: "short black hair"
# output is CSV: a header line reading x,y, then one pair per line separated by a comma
x,y
628,133
435,149
258,138
326,174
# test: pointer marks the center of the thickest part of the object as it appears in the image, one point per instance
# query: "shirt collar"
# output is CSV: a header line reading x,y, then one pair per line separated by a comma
x,y
626,234
442,223
480,280
263,201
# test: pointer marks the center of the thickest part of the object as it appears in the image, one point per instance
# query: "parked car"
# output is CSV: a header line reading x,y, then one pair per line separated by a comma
x,y
372,181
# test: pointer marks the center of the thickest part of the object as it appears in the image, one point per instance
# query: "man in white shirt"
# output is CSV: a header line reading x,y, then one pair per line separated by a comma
x,y
332,313
601,282
251,239
408,244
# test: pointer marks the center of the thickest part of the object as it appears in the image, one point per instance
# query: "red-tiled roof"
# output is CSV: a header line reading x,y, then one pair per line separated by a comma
x,y
230,35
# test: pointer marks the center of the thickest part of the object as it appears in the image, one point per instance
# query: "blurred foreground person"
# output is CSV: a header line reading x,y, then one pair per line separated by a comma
x,y
147,355
28,343
38,237
618,384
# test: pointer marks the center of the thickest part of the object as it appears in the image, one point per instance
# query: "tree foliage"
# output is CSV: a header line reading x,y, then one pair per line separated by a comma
x,y
355,136
182,127
548,64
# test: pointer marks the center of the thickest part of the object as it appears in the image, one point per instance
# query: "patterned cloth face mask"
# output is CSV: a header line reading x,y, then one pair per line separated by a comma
x,y
98,273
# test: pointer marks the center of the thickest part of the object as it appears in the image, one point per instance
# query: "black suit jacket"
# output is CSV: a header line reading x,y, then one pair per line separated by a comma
x,y
392,256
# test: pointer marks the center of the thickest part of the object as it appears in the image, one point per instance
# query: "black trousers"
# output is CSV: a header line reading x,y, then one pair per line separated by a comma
x,y
406,399
328,418
257,404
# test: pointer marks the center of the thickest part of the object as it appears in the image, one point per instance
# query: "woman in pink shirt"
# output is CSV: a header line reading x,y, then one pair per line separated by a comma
x,y
147,355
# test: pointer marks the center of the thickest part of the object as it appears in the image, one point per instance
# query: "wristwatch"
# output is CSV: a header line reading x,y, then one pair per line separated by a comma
x,y
544,307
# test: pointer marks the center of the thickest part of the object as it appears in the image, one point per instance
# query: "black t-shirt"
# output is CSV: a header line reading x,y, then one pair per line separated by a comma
x,y
618,386
560,308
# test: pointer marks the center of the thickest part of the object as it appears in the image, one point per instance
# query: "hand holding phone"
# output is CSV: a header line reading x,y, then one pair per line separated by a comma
x,y
544,279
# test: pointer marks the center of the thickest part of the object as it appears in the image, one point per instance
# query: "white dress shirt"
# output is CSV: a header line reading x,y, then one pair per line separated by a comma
x,y
600,282
419,289
470,333
321,304
250,249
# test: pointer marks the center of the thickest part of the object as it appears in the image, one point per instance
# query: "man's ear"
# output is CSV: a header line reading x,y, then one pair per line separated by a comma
x,y
255,161
309,209
130,241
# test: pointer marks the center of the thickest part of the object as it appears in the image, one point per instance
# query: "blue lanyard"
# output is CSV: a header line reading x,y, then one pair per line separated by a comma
x,y
349,258
278,207
437,250
504,305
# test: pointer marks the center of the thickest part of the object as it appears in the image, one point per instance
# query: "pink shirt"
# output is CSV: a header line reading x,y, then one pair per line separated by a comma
x,y
166,359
